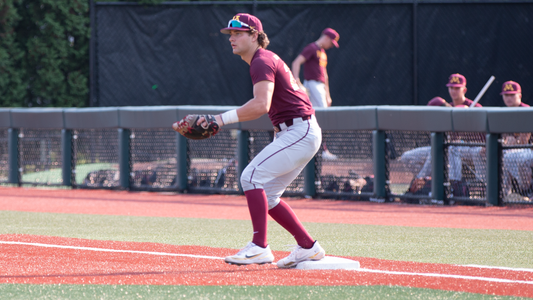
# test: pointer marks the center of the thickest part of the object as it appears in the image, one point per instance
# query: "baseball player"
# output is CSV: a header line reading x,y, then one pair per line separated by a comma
x,y
457,155
297,139
316,80
315,60
517,163
418,161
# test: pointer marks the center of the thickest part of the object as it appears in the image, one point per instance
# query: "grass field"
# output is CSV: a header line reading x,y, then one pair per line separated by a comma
x,y
433,245
24,291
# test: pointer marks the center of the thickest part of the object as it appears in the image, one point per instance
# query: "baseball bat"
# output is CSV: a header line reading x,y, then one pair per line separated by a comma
x,y
483,90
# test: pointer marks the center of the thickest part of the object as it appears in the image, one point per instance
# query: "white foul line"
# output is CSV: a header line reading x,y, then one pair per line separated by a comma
x,y
446,276
499,268
108,250
358,270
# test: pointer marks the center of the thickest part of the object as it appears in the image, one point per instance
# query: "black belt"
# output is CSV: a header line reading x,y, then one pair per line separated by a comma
x,y
289,122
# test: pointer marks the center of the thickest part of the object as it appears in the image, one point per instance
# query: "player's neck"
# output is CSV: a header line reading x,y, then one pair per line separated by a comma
x,y
247,57
459,101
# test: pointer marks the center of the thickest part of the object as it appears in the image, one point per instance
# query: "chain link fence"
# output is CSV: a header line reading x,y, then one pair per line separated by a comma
x,y
517,173
409,165
4,156
213,162
95,158
153,159
344,165
344,171
40,156
465,165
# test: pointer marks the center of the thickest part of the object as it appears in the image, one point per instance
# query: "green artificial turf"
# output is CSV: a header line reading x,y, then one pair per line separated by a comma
x,y
67,291
54,176
505,248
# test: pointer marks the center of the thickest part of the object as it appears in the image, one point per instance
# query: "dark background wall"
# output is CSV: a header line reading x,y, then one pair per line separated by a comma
x,y
174,54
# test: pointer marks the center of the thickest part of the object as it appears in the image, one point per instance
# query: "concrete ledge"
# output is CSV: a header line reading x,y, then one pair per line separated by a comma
x,y
510,119
347,118
470,119
415,118
5,117
91,118
147,116
37,118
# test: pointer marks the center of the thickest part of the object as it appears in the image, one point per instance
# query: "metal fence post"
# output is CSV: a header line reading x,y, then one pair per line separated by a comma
x,y
243,147
493,168
181,160
309,178
124,157
437,165
378,147
66,155
13,155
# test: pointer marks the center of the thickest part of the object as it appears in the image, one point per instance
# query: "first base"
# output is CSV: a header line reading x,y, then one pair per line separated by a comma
x,y
329,263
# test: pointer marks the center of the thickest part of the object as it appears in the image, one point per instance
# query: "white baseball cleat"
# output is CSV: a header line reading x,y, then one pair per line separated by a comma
x,y
300,254
251,254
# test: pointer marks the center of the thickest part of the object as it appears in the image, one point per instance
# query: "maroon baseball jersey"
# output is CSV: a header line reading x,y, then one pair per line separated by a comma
x,y
468,102
315,64
522,104
289,101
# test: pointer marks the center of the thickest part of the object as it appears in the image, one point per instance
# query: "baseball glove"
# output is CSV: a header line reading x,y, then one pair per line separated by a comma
x,y
189,129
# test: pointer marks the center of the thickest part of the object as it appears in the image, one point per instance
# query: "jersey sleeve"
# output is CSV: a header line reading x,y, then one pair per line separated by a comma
x,y
262,69
308,52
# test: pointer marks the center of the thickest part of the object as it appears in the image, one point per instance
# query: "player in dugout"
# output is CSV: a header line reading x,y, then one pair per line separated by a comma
x,y
418,160
517,163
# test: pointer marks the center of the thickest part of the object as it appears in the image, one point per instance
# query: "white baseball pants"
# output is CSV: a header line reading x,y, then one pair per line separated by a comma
x,y
280,162
517,163
316,91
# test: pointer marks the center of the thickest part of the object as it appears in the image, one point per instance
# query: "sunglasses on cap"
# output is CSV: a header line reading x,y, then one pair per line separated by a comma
x,y
237,24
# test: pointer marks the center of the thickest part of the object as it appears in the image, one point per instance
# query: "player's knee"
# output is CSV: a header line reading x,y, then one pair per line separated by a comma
x,y
272,202
246,185
247,182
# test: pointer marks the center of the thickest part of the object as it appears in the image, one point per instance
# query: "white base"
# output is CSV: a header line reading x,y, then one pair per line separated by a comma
x,y
329,263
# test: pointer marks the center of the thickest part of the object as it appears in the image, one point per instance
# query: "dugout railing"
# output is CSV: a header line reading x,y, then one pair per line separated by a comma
x,y
134,148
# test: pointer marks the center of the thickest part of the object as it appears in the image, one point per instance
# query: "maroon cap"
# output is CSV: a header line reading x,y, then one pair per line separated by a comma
x,y
334,35
243,22
438,101
456,80
510,87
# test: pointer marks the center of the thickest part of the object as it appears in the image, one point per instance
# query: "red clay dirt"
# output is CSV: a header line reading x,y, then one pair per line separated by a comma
x,y
35,264
39,265
234,207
